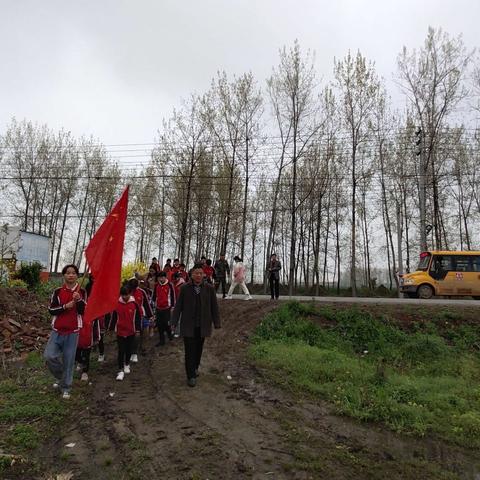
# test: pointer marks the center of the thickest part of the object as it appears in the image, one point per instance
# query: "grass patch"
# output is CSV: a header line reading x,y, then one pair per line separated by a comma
x,y
30,411
421,382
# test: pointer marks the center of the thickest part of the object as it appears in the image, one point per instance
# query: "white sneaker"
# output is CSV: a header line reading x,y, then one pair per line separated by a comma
x,y
120,376
249,297
84,377
101,358
66,395
126,368
228,297
134,358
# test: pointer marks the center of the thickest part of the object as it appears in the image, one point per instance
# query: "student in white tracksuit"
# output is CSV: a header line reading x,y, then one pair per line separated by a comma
x,y
238,278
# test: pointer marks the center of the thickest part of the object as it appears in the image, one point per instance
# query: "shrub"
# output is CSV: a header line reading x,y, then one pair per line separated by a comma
x,y
423,348
129,269
30,274
17,283
45,289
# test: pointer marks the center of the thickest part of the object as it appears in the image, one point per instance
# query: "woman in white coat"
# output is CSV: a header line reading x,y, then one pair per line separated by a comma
x,y
238,278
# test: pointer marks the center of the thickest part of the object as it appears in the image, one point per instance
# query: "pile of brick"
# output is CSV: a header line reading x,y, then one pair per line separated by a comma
x,y
24,323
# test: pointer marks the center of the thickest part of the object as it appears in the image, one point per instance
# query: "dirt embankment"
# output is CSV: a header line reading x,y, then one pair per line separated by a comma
x,y
233,425
24,324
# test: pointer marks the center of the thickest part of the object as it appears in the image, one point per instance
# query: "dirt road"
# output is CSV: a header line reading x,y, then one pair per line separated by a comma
x,y
233,425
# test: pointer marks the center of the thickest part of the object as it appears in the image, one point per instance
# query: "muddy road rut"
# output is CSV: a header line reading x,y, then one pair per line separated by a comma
x,y
233,425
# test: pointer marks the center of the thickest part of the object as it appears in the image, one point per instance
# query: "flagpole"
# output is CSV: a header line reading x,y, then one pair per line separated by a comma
x,y
86,271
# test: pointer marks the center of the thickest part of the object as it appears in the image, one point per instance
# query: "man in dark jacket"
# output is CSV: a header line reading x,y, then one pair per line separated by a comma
x,y
222,270
196,309
273,269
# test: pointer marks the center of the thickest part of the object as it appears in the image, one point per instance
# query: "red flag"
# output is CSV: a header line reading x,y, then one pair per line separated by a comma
x,y
104,257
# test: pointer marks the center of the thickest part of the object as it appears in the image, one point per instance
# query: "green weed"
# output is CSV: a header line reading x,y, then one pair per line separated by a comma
x,y
415,383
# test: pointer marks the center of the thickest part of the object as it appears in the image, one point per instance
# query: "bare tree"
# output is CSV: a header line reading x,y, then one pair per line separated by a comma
x,y
431,78
357,84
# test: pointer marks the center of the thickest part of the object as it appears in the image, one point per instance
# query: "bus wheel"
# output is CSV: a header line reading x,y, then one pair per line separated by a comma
x,y
425,291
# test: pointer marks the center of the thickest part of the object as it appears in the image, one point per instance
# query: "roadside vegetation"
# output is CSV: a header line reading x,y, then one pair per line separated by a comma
x,y
31,412
418,378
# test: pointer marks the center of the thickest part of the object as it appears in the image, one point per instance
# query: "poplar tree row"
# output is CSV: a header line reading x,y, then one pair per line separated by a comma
x,y
345,188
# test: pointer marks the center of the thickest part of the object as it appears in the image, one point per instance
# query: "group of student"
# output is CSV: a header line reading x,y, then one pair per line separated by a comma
x,y
160,299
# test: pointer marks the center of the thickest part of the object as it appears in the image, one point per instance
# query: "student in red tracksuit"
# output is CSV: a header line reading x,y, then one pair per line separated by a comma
x,y
88,335
183,272
126,321
209,271
104,324
175,267
164,300
66,306
143,302
178,283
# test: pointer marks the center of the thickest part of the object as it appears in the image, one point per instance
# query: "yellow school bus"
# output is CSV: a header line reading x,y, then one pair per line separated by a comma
x,y
444,273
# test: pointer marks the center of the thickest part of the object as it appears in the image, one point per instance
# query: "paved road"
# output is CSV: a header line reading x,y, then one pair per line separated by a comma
x,y
460,302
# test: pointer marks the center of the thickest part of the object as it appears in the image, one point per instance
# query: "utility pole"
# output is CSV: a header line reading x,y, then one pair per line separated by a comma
x,y
161,247
399,247
420,153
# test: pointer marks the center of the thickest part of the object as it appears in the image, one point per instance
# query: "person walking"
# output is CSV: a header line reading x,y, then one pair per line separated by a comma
x,y
196,310
222,269
126,321
273,269
143,302
238,278
164,299
67,307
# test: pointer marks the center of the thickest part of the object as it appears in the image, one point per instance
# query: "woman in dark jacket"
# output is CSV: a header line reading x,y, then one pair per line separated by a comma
x,y
196,310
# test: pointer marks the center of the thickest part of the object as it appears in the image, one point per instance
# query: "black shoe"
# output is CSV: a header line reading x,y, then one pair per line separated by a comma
x,y
192,382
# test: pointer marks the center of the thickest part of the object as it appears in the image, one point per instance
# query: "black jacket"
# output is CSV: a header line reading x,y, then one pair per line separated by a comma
x,y
221,269
273,269
184,311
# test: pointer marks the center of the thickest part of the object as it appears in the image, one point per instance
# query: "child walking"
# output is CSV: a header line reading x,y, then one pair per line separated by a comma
x,y
164,298
88,335
143,302
126,321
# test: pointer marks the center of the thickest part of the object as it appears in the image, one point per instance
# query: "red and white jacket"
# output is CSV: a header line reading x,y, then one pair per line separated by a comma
x,y
164,296
66,321
126,318
177,286
89,334
143,301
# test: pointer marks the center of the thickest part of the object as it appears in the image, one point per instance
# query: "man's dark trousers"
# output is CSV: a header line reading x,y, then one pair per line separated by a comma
x,y
163,325
193,352
223,281
274,287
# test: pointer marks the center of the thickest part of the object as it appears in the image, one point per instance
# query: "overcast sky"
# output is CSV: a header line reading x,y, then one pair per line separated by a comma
x,y
114,68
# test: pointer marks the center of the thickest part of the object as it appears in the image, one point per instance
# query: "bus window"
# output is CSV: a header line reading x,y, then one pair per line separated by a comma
x,y
463,263
475,263
441,265
424,261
